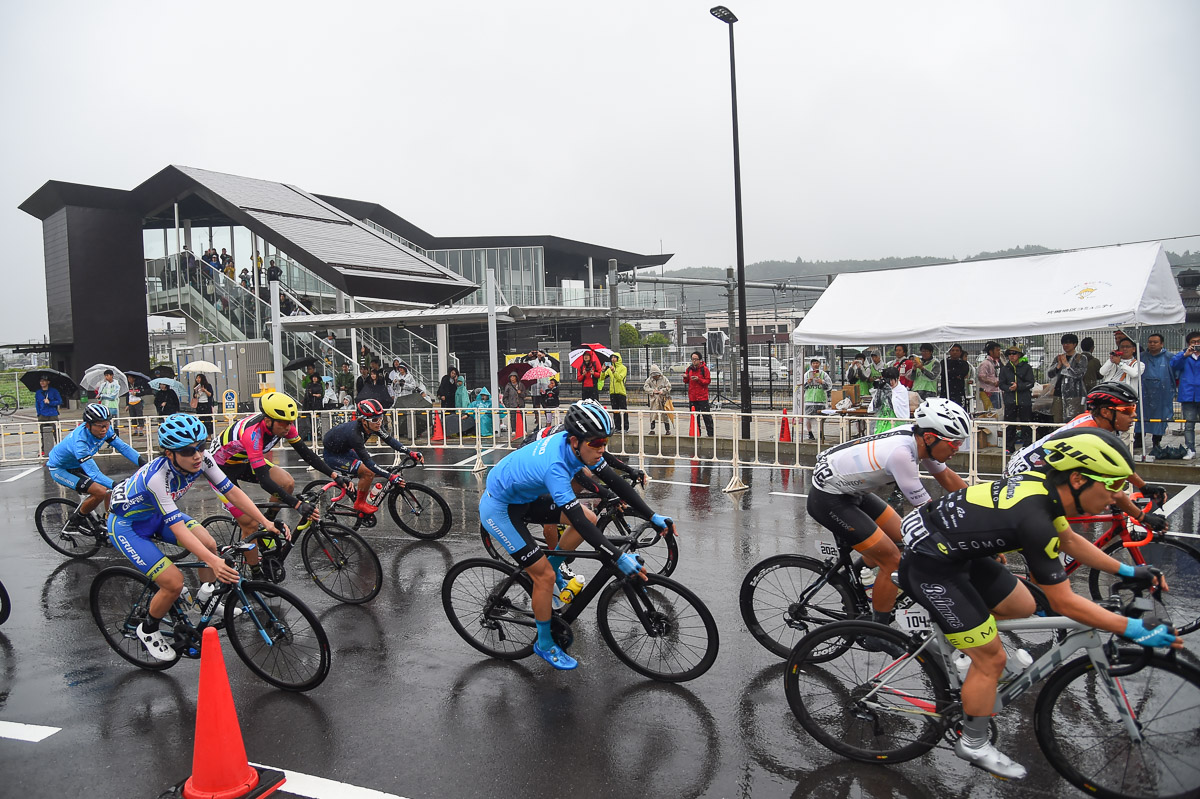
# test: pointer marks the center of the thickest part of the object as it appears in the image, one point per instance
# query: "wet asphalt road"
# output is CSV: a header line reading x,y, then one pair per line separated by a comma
x,y
410,709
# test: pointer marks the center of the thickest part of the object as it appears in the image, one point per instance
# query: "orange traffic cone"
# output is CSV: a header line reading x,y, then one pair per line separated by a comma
x,y
518,423
785,430
691,423
437,426
219,766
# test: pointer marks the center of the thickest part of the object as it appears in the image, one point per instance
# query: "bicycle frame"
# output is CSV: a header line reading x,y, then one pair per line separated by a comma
x,y
180,606
1118,530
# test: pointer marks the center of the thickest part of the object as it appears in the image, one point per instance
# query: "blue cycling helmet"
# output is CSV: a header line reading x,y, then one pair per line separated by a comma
x,y
96,413
180,430
588,419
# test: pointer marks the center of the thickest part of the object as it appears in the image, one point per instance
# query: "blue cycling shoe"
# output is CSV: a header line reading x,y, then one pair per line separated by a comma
x,y
556,657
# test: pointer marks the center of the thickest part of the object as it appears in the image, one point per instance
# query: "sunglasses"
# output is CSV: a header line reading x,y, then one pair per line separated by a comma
x,y
954,443
1113,484
1128,409
188,452
597,443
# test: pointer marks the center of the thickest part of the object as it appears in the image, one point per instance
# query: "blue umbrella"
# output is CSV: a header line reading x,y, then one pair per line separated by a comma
x,y
174,385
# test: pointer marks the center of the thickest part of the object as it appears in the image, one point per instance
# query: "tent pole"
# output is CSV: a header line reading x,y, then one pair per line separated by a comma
x,y
1137,344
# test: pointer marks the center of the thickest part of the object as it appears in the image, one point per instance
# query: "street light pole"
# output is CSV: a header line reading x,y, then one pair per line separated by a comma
x,y
725,15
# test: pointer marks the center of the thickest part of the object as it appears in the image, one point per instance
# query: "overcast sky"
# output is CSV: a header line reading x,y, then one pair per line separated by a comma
x,y
868,129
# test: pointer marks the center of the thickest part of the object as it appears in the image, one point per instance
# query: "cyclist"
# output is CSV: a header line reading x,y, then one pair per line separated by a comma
x,y
144,506
1110,406
845,476
242,454
72,462
346,450
548,465
949,569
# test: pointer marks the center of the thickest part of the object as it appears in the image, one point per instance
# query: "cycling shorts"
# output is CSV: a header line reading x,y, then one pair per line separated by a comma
x,y
134,542
852,518
543,510
506,525
346,463
74,479
239,472
960,600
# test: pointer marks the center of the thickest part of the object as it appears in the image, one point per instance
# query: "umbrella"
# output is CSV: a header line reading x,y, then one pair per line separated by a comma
x,y
300,363
517,368
171,383
601,352
138,377
94,376
538,373
164,371
65,385
201,366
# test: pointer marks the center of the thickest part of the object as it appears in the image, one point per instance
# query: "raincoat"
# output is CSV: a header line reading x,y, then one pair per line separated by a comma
x,y
481,407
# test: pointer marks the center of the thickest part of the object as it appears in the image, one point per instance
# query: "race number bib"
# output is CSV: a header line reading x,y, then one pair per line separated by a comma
x,y
826,548
915,619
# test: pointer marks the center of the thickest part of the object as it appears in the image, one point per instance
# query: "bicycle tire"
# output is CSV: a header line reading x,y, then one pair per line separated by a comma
x,y
8,405
1180,564
659,549
683,630
50,517
5,604
832,699
418,509
341,563
770,606
297,656
1084,739
477,610
120,599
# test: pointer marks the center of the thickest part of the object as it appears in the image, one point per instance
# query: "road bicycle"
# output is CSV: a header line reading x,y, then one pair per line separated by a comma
x,y
339,560
1119,721
656,626
52,515
275,634
418,509
8,405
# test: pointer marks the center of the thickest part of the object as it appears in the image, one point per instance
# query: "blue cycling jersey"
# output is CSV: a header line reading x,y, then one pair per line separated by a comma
x,y
148,497
77,449
545,466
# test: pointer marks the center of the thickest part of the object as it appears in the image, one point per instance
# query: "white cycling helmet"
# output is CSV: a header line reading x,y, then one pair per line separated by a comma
x,y
944,417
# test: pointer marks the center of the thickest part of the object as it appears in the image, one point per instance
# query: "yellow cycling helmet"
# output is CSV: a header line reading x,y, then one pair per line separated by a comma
x,y
279,406
1088,449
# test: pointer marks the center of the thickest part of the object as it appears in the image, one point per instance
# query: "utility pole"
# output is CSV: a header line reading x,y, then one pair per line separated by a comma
x,y
730,294
614,321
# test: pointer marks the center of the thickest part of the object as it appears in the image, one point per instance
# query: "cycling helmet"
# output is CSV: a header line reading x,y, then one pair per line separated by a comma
x,y
944,417
1088,449
1110,393
588,419
368,409
279,406
181,430
96,413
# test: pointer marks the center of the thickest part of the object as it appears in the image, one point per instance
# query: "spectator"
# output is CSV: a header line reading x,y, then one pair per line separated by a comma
x,y
927,373
1158,396
461,397
314,391
227,266
1067,373
109,392
958,374
331,340
904,365
364,357
246,280
1186,364
482,406
46,401
514,395
539,358
856,374
136,412
447,388
344,383
550,401
873,366
697,377
816,388
589,376
658,395
202,401
364,377
616,372
989,376
166,401
1092,376
1016,385
285,305
403,382
889,400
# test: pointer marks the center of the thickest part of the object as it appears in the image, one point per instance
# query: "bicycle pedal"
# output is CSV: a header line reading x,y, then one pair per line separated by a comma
x,y
192,653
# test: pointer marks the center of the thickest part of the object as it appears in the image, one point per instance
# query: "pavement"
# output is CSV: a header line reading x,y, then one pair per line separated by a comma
x,y
410,710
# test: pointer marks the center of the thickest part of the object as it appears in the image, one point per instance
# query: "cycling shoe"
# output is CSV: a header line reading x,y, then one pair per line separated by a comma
x,y
156,644
990,759
873,643
556,657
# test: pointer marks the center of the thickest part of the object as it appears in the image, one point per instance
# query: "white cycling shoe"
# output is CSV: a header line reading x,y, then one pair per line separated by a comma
x,y
990,759
156,644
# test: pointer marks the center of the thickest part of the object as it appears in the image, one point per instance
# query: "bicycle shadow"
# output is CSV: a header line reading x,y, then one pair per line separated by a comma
x,y
355,631
425,565
66,590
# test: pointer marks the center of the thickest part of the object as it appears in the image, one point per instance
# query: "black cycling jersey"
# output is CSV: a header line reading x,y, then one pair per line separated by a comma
x,y
349,437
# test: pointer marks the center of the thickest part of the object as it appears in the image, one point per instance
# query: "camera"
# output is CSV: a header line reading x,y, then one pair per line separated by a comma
x,y
1115,352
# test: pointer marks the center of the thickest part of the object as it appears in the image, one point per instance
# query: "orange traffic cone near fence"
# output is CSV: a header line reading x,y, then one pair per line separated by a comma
x,y
518,423
691,423
437,426
785,430
219,766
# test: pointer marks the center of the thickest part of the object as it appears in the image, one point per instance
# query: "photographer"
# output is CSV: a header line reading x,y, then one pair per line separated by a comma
x,y
1124,367
1186,365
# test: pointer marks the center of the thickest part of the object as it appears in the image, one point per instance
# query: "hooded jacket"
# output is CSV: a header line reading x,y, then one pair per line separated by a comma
x,y
483,402
615,373
658,389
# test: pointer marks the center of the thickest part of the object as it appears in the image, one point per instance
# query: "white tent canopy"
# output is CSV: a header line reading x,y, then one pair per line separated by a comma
x,y
1124,285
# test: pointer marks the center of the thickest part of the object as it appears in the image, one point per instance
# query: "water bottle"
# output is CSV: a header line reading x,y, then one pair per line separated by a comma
x,y
867,577
372,500
962,663
572,589
206,591
1017,662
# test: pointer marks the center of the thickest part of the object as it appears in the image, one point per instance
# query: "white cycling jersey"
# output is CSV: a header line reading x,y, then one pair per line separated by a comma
x,y
1030,457
858,467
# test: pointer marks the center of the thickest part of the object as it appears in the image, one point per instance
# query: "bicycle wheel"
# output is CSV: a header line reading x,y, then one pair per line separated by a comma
x,y
658,628
5,604
277,636
659,550
120,599
8,404
1180,564
51,517
420,511
490,611
341,563
866,705
785,597
1084,737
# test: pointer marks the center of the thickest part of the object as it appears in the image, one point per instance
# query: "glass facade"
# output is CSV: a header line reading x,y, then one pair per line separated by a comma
x,y
520,270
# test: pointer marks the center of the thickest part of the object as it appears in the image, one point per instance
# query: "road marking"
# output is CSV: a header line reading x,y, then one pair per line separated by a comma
x,y
26,732
1177,501
471,458
321,788
676,483
30,470
448,469
785,494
